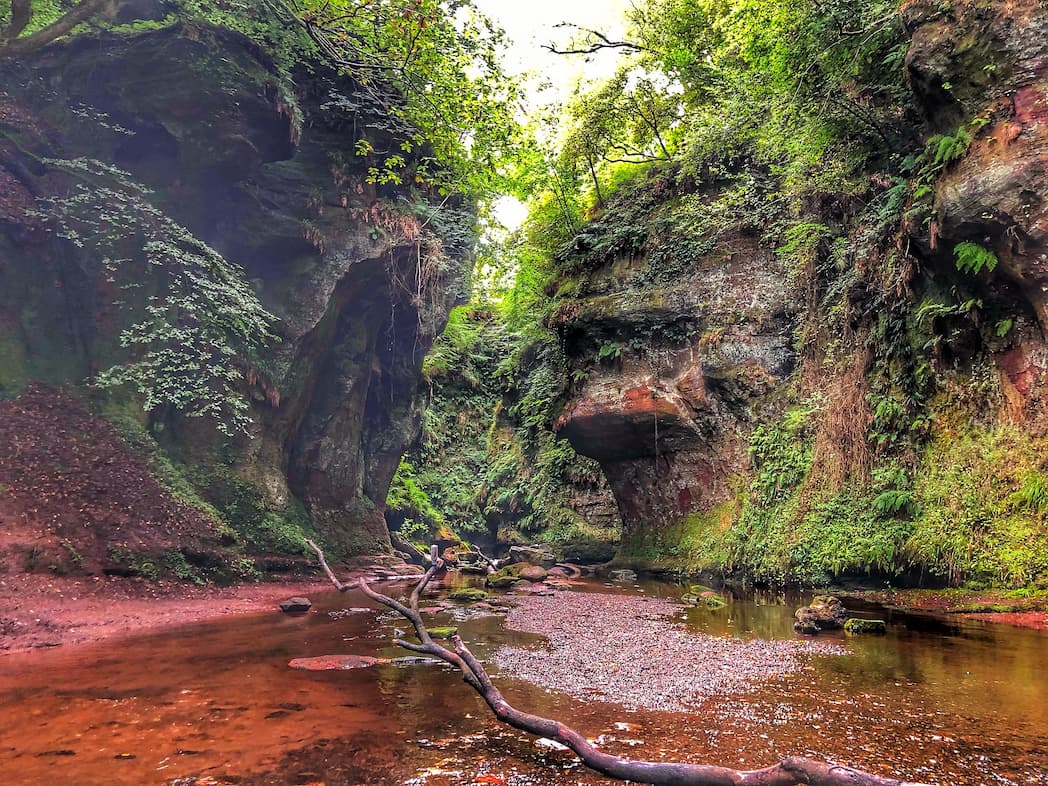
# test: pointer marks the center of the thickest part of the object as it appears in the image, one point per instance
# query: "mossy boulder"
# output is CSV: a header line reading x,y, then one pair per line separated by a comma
x,y
860,627
469,594
826,612
507,576
699,595
539,554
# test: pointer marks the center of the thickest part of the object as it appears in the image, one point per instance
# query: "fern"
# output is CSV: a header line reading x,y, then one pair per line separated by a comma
x,y
892,503
973,259
950,148
1032,495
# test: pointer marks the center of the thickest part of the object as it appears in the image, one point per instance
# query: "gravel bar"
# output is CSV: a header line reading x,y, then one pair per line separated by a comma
x,y
628,650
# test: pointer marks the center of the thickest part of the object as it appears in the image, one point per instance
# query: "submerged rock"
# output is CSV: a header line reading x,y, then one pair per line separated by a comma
x,y
826,612
295,605
336,662
623,574
860,627
469,594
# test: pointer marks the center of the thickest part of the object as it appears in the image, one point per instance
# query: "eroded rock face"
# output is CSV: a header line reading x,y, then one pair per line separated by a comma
x,y
267,178
694,352
667,421
994,61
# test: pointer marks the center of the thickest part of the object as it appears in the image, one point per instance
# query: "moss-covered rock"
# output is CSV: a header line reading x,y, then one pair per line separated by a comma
x,y
861,627
826,612
468,594
507,576
442,632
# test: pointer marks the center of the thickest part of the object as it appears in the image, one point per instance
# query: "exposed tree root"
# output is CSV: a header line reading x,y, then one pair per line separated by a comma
x,y
793,771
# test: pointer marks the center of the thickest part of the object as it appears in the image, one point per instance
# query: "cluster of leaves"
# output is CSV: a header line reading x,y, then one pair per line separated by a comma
x,y
807,89
196,332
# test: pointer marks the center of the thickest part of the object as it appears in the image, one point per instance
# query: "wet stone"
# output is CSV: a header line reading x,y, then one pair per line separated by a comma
x,y
295,605
826,612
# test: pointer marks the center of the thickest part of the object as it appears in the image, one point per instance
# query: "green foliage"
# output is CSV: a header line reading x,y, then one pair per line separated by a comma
x,y
609,350
891,503
982,517
947,148
198,320
802,242
409,502
430,70
972,258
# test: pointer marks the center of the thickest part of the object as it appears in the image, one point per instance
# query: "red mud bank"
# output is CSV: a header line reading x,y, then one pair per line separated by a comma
x,y
43,611
73,495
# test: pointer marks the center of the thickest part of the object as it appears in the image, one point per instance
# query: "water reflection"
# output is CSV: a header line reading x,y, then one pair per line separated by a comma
x,y
952,702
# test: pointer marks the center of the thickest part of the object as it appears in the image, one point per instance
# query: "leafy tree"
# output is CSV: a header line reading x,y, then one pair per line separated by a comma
x,y
433,64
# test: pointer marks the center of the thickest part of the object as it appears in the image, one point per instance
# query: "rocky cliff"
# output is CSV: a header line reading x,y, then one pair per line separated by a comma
x,y
264,168
845,383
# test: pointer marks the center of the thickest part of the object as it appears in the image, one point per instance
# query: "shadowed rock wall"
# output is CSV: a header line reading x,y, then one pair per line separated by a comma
x,y
268,176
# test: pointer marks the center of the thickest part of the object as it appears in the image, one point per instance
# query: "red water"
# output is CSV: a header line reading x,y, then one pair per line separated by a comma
x,y
946,702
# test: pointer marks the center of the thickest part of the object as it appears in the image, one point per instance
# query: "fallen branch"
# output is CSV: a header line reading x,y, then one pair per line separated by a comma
x,y
793,771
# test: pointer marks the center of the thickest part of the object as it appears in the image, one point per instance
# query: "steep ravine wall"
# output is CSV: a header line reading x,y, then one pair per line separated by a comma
x,y
884,417
268,176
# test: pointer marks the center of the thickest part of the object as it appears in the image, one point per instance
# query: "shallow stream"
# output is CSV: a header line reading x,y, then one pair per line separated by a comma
x,y
943,700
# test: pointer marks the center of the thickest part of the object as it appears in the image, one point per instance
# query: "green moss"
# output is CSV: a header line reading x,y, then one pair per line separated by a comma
x,y
244,505
860,627
469,594
443,632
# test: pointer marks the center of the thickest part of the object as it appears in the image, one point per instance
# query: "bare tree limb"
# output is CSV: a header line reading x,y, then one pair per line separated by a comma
x,y
597,41
793,771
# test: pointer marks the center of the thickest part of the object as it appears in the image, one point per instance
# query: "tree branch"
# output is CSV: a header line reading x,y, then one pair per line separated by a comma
x,y
21,13
598,41
789,772
15,47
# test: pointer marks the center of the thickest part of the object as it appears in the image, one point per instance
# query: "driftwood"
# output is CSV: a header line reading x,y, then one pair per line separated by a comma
x,y
793,771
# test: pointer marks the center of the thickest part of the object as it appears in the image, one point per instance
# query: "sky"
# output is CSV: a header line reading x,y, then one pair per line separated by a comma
x,y
531,23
